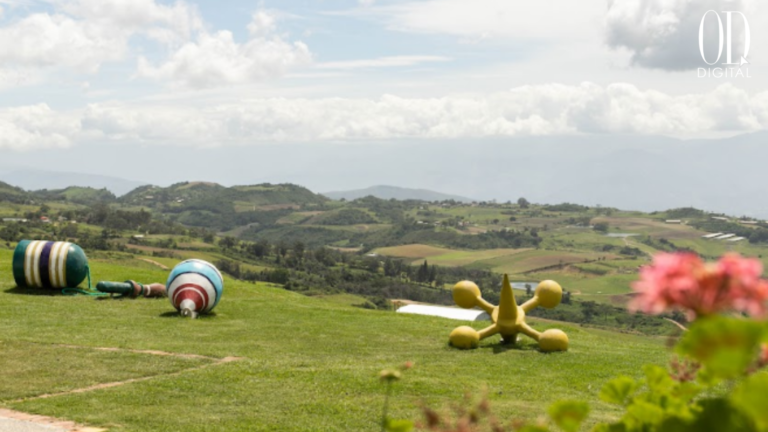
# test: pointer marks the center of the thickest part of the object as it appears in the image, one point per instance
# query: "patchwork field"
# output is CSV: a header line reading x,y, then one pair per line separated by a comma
x,y
651,226
445,256
532,260
269,359
413,251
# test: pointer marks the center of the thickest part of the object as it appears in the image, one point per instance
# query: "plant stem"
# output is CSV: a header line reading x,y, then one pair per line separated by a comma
x,y
386,407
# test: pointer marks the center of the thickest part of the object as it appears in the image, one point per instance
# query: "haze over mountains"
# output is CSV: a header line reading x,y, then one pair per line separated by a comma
x,y
35,179
398,193
632,172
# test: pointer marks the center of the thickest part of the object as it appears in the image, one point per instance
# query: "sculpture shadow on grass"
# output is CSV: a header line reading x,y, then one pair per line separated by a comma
x,y
34,291
177,314
501,346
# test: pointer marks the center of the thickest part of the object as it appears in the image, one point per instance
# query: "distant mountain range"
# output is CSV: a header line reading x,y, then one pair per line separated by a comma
x,y
33,179
398,193
636,172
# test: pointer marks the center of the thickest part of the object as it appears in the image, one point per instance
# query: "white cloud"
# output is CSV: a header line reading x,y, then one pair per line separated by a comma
x,y
492,19
664,34
87,33
216,59
552,109
36,126
18,77
382,62
179,19
262,24
58,40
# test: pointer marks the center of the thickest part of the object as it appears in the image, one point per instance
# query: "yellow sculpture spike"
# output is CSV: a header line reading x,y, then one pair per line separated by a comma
x,y
508,318
507,303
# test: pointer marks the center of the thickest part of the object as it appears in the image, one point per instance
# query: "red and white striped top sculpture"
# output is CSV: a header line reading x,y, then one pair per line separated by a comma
x,y
194,286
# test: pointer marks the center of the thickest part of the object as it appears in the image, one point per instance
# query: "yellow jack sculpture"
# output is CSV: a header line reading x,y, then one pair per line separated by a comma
x,y
508,318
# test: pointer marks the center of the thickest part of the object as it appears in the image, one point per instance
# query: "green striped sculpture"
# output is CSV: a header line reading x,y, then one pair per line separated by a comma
x,y
47,264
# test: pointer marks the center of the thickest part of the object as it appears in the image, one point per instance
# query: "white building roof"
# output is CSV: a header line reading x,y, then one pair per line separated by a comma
x,y
446,312
736,239
725,236
709,236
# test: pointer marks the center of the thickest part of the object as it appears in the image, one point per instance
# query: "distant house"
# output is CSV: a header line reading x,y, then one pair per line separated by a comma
x,y
138,236
748,222
14,220
44,219
725,236
372,255
674,221
736,239
720,218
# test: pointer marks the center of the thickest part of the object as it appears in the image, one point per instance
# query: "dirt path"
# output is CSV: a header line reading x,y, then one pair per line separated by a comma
x,y
628,244
20,421
26,422
162,266
680,326
151,352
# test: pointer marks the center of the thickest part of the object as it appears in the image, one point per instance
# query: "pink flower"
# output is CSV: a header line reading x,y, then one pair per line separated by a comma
x,y
684,281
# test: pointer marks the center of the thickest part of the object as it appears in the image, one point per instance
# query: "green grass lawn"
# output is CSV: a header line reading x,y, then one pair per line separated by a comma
x,y
306,363
344,299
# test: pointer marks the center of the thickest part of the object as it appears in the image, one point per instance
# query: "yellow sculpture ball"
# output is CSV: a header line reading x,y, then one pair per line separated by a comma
x,y
549,293
465,294
464,337
553,340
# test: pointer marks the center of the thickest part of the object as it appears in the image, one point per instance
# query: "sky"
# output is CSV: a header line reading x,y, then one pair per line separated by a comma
x,y
190,75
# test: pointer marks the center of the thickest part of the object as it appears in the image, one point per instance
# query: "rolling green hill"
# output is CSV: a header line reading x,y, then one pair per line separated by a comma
x,y
212,206
12,194
397,193
76,195
195,195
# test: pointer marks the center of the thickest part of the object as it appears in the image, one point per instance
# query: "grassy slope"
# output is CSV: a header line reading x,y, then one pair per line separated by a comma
x,y
308,364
